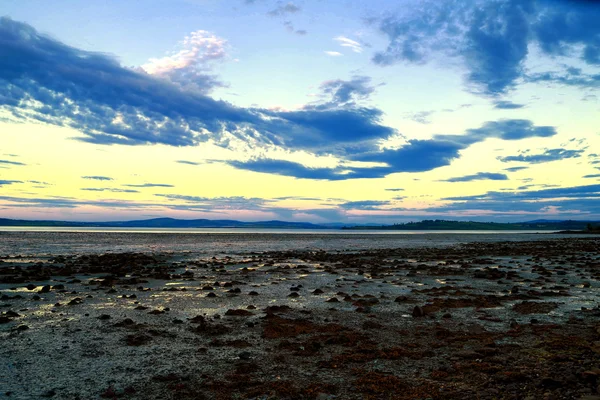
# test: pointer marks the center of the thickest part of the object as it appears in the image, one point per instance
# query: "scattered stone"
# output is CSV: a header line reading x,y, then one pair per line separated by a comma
x,y
418,312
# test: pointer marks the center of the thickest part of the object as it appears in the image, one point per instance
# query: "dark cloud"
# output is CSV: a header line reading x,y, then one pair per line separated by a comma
x,y
395,190
565,78
479,176
507,105
341,93
515,169
363,205
111,104
187,162
148,185
546,156
563,201
8,182
415,156
587,191
11,162
290,168
283,9
493,37
592,176
98,178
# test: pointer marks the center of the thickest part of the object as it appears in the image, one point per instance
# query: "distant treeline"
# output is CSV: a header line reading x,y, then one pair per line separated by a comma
x,y
441,225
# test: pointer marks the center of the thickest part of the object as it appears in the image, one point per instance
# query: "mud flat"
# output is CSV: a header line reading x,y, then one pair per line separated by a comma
x,y
503,320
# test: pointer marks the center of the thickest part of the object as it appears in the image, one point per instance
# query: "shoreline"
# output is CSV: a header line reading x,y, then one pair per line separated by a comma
x,y
510,320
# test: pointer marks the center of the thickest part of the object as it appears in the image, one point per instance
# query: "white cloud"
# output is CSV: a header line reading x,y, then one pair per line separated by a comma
x,y
333,53
352,44
189,66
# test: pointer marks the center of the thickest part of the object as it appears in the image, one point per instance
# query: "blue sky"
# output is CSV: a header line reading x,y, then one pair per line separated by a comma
x,y
338,111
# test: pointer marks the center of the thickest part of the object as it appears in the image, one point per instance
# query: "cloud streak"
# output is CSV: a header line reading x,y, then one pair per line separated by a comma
x,y
547,156
478,177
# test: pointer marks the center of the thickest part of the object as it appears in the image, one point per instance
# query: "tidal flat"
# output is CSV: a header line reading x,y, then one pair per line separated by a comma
x,y
459,319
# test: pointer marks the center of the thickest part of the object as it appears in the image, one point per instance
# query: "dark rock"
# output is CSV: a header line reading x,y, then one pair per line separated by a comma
x,y
238,313
75,301
125,322
31,286
45,289
317,291
104,317
293,294
418,312
245,355
137,339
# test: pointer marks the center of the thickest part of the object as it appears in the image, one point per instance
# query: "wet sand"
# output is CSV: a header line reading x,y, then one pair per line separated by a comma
x,y
488,320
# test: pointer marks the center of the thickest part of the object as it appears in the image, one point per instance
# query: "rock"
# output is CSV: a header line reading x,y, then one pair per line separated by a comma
x,y
447,316
137,339
551,383
253,293
75,301
4,319
22,328
211,294
156,312
125,322
418,312
177,321
293,295
104,317
59,287
49,393
317,291
245,355
45,289
333,300
141,308
238,313
31,286
36,298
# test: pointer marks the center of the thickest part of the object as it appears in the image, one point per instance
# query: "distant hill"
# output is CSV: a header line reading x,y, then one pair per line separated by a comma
x,y
165,223
226,223
483,226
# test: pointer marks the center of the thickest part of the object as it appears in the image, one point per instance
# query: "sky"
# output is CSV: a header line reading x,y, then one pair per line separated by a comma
x,y
306,110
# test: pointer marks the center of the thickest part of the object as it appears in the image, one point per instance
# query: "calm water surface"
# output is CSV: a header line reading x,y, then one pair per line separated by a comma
x,y
49,241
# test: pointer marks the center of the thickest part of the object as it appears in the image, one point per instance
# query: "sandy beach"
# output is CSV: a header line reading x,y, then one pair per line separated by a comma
x,y
478,320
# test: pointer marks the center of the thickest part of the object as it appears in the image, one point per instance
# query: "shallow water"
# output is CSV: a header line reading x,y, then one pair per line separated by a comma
x,y
218,242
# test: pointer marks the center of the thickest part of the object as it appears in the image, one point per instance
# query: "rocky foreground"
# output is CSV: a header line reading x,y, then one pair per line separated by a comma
x,y
516,320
